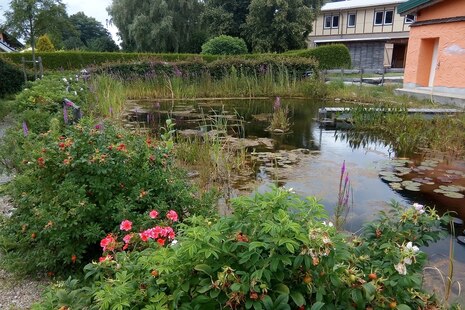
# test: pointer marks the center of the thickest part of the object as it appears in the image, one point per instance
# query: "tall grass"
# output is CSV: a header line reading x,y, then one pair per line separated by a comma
x,y
279,82
107,95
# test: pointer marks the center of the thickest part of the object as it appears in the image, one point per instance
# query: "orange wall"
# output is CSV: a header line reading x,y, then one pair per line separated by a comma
x,y
451,57
446,8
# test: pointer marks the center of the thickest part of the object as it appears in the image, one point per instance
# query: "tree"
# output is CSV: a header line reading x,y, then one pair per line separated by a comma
x,y
28,19
88,33
224,45
277,26
225,16
44,44
157,25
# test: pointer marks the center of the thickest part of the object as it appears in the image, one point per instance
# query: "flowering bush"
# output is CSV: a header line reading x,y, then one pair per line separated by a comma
x,y
275,252
74,187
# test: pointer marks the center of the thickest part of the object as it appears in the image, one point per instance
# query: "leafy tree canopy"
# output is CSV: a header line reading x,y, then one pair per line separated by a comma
x,y
158,25
44,44
225,16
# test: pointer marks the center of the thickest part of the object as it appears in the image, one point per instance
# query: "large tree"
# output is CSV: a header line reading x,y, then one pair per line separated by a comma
x,y
88,33
29,19
278,25
225,16
157,25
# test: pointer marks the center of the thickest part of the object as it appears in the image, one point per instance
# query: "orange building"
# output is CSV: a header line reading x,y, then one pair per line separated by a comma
x,y
435,63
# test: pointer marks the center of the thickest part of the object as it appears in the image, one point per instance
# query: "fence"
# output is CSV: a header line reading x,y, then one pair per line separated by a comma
x,y
326,75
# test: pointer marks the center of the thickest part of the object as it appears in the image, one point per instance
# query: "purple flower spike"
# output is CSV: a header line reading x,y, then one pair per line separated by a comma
x,y
111,111
99,126
277,103
65,114
25,129
343,168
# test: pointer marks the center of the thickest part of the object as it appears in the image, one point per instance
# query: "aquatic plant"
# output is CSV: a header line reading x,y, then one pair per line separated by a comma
x,y
343,198
279,120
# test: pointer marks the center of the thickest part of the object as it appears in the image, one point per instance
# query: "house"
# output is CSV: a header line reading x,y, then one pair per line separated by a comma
x,y
374,32
8,43
436,52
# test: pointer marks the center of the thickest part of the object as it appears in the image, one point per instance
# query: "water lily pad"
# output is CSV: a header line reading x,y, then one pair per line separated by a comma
x,y
403,169
444,179
423,181
395,186
430,163
450,188
386,173
410,183
425,168
454,172
389,178
454,195
412,188
439,191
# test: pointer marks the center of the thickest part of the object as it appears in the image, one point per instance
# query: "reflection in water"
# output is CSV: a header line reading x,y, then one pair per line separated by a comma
x,y
315,174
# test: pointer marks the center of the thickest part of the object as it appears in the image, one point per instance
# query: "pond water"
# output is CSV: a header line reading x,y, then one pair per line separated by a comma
x,y
316,172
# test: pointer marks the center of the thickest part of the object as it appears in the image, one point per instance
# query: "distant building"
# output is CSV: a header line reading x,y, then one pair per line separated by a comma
x,y
8,43
374,32
436,52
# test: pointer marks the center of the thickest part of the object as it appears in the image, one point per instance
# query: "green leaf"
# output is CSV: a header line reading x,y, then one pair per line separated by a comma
x,y
204,289
268,302
370,291
257,305
282,288
281,300
214,293
236,287
204,268
317,306
403,307
298,298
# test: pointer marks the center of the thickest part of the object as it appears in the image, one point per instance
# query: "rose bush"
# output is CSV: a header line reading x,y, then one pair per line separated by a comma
x,y
74,187
275,252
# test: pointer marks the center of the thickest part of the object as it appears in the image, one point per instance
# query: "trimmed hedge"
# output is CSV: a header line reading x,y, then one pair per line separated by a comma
x,y
224,45
11,78
216,69
330,56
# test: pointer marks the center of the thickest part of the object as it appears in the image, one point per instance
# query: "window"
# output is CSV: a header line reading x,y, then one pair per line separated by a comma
x,y
332,21
351,20
409,18
384,17
388,17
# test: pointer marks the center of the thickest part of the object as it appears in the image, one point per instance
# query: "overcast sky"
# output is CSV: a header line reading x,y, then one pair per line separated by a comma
x,y
92,8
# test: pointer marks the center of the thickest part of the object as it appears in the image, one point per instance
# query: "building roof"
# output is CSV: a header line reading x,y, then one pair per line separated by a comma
x,y
5,47
413,6
353,4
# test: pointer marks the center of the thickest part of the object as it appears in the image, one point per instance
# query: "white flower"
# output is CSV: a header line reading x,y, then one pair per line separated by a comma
x,y
420,208
330,224
412,247
401,269
291,190
408,261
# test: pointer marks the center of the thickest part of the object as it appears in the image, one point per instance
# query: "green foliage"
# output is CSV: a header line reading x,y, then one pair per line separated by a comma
x,y
274,252
157,26
44,44
225,17
72,188
224,45
11,78
329,56
89,34
277,26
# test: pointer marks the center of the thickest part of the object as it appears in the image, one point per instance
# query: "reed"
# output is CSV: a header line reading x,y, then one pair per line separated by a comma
x,y
107,96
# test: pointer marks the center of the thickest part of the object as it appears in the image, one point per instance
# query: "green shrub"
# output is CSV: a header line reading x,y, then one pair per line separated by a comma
x,y
75,187
274,252
11,78
224,45
44,44
331,56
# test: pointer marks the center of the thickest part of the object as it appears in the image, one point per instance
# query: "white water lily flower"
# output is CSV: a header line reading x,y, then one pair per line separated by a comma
x,y
412,247
401,268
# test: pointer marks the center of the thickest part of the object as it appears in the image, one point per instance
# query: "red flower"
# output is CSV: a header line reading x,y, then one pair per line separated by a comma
x,y
121,147
161,241
73,258
41,161
127,238
144,236
172,215
153,214
125,225
108,243
105,258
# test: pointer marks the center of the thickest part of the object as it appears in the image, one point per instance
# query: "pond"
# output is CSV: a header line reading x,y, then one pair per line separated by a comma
x,y
376,175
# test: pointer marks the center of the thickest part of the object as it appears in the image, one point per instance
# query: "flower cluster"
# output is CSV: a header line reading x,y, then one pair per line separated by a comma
x,y
160,234
408,254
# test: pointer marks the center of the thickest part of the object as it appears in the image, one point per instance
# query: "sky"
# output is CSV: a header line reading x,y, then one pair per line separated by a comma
x,y
92,8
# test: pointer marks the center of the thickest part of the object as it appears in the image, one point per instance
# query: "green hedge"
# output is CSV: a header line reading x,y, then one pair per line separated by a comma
x,y
331,56
72,60
11,78
216,69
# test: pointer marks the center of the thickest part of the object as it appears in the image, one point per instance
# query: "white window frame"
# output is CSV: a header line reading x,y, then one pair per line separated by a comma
x,y
383,18
348,20
392,17
331,17
409,20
